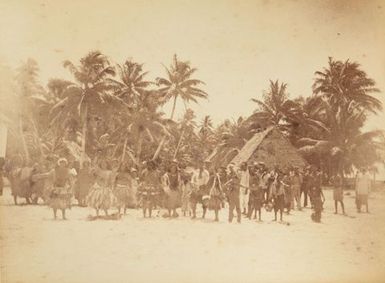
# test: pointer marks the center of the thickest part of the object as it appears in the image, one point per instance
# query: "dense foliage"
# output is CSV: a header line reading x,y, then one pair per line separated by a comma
x,y
114,112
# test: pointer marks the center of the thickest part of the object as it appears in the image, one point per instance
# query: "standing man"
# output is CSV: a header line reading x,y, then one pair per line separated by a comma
x,y
244,187
233,193
305,186
296,183
317,197
199,182
362,189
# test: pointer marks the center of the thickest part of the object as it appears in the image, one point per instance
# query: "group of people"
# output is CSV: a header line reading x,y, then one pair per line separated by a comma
x,y
105,185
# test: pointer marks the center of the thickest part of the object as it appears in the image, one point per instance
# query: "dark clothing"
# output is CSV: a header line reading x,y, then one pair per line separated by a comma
x,y
233,196
316,198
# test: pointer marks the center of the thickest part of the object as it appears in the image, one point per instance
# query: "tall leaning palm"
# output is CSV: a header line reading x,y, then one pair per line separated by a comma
x,y
179,84
89,93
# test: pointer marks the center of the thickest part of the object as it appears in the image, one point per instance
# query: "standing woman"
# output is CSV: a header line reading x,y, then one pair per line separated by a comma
x,y
84,183
101,195
171,184
149,189
216,193
60,189
338,193
122,187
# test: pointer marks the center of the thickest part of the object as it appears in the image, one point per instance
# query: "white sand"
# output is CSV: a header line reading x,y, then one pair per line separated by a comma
x,y
35,249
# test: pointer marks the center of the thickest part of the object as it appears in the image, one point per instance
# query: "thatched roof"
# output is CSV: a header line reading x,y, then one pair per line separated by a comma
x,y
251,146
271,148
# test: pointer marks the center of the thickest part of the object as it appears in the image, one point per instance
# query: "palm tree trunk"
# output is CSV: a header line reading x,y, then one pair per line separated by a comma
x,y
37,138
139,147
173,108
25,147
179,143
84,133
124,150
156,154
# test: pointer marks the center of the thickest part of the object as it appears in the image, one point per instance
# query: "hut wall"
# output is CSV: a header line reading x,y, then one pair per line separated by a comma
x,y
277,150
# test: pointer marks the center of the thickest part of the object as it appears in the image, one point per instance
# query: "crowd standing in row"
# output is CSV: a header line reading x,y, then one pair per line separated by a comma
x,y
107,185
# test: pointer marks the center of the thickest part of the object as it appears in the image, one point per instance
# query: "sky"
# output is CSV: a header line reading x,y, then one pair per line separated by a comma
x,y
237,46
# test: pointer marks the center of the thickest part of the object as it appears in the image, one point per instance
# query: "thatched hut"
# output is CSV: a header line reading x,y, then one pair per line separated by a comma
x,y
271,148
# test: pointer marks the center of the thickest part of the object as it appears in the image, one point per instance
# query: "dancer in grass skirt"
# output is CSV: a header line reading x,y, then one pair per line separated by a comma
x,y
84,183
171,182
122,187
101,195
149,190
59,185
216,193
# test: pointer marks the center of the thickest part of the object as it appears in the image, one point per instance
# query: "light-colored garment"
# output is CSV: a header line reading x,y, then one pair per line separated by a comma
x,y
363,184
244,178
244,188
200,179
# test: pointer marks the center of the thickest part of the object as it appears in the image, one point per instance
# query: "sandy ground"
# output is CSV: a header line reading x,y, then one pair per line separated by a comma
x,y
35,248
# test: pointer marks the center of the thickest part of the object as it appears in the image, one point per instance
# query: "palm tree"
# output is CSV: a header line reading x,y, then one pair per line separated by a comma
x,y
133,83
343,82
341,102
32,97
90,94
275,108
187,124
179,84
231,137
139,123
344,142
